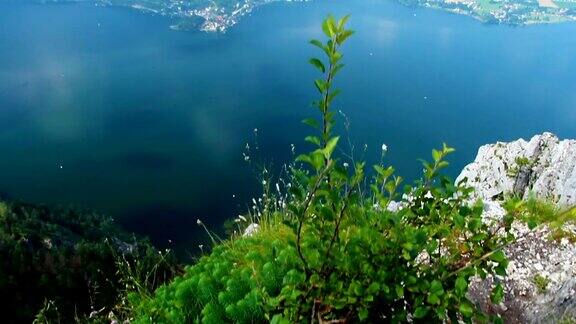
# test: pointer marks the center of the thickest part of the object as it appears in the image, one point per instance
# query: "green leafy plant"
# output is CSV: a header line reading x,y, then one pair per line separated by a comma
x,y
338,250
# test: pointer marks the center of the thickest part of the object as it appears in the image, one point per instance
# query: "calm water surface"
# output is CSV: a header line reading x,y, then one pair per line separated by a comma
x,y
106,108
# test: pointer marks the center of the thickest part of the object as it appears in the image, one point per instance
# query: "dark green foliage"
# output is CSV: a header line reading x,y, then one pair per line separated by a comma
x,y
333,251
240,281
62,260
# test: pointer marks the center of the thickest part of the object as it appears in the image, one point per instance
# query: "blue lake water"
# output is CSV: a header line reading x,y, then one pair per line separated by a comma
x,y
108,109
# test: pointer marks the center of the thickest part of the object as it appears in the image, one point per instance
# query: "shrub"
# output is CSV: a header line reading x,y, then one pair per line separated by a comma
x,y
60,264
236,282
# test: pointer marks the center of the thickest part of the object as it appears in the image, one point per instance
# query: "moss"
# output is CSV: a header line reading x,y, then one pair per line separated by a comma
x,y
519,162
522,161
541,283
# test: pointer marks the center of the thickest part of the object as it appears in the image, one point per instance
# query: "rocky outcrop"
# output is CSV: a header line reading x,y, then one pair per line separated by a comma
x,y
252,229
541,281
544,167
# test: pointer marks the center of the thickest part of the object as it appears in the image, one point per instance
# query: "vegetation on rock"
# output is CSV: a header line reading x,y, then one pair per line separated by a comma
x,y
335,245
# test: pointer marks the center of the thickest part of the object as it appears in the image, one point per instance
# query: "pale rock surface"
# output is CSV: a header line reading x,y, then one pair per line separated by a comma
x,y
251,230
550,175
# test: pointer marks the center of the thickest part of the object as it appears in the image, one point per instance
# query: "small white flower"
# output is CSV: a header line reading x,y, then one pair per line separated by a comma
x,y
255,130
263,182
201,246
384,147
198,221
345,165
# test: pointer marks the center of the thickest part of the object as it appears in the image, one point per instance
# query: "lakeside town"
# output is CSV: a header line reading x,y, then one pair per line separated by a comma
x,y
511,12
219,15
208,16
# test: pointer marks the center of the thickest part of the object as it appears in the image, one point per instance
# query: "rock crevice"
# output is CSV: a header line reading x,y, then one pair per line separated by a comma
x,y
544,167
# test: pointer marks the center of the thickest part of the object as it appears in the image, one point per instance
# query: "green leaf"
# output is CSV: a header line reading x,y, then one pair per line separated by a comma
x,y
400,291
443,164
304,158
279,319
433,299
374,288
328,27
461,286
498,256
436,155
497,294
344,36
318,44
446,149
318,64
420,312
311,122
496,319
335,57
333,95
436,288
313,139
363,314
337,68
320,85
466,309
357,288
342,22
330,146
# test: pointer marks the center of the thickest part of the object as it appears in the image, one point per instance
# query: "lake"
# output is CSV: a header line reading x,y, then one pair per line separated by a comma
x,y
107,109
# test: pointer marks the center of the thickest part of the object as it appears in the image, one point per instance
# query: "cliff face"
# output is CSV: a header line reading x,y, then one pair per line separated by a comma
x,y
545,168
